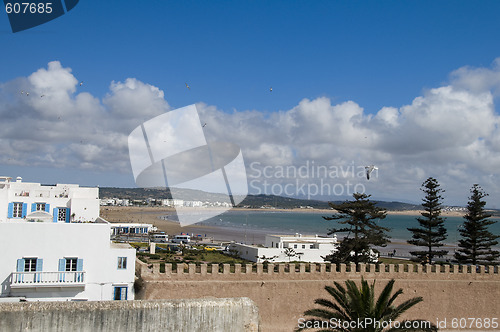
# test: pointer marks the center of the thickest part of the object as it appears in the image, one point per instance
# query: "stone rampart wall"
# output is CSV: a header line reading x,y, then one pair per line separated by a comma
x,y
283,292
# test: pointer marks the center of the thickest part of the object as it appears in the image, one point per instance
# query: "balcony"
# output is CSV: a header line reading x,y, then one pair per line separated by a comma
x,y
48,279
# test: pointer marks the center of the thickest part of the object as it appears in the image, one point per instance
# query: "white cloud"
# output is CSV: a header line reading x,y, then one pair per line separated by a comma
x,y
478,79
449,132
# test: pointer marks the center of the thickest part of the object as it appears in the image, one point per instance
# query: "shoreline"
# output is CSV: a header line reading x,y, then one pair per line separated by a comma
x,y
157,209
150,215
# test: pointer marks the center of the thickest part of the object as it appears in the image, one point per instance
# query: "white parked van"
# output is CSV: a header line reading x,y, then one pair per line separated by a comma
x,y
159,237
184,239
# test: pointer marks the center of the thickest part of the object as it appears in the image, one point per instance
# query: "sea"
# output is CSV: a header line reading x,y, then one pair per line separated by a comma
x,y
311,223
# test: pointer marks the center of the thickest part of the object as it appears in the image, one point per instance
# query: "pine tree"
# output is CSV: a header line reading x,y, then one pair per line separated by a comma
x,y
431,232
475,245
360,215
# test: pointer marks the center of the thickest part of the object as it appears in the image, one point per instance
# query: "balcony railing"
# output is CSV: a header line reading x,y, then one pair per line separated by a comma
x,y
35,279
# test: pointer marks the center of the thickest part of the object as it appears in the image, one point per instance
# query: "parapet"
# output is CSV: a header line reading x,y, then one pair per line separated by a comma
x,y
312,271
209,314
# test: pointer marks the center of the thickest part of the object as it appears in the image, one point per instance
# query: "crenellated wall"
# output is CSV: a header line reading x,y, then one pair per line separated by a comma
x,y
284,291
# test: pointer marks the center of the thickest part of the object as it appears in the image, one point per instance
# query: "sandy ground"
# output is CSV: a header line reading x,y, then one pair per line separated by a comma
x,y
150,215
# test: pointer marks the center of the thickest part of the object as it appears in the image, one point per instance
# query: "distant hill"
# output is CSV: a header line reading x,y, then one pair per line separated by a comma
x,y
253,201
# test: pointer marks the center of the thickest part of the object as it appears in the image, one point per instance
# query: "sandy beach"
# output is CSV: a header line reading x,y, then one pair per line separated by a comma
x,y
150,215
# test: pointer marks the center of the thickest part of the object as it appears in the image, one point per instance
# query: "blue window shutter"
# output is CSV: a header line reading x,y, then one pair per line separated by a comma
x,y
55,214
25,209
67,214
20,265
10,210
47,208
79,265
39,265
62,265
39,268
33,207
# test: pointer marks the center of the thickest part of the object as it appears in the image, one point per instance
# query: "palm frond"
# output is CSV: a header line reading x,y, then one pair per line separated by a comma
x,y
358,302
383,299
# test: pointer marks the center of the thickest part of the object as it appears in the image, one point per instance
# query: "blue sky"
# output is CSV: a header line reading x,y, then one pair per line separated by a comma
x,y
368,60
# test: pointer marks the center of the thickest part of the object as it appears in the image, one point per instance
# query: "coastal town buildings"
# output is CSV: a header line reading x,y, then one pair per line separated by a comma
x,y
56,247
285,248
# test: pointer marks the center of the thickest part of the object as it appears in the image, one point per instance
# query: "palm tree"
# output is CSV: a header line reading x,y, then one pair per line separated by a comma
x,y
355,310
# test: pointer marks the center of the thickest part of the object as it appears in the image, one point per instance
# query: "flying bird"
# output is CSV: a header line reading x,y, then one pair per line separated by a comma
x,y
271,89
187,86
204,125
81,83
42,96
369,170
27,93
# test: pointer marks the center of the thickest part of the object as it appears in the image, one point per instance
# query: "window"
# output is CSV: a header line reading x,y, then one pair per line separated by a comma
x,y
17,211
29,264
295,246
40,206
277,245
311,246
71,264
120,293
122,262
303,246
61,214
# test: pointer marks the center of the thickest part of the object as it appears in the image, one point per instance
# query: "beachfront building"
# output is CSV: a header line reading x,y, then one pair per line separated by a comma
x,y
55,247
132,229
172,202
115,202
285,248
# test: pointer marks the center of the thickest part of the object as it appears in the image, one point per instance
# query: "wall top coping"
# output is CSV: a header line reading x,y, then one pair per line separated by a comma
x,y
315,268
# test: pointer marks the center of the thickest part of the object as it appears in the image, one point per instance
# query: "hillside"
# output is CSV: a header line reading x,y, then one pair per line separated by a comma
x,y
253,201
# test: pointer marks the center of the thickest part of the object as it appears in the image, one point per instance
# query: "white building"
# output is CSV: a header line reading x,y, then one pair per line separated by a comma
x,y
172,202
60,203
193,204
56,247
285,248
131,228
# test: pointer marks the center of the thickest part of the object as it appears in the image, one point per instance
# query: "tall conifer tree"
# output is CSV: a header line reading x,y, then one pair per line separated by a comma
x,y
360,217
475,245
431,232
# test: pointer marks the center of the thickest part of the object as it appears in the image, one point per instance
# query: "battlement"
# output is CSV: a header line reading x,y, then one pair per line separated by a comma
x,y
313,271
449,291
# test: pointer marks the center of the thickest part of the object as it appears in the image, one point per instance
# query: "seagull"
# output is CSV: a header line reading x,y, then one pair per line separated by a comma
x,y
81,83
187,86
42,96
22,92
204,125
369,169
271,89
27,93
